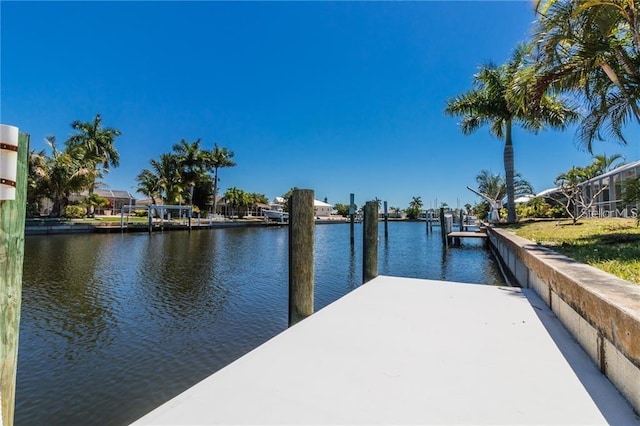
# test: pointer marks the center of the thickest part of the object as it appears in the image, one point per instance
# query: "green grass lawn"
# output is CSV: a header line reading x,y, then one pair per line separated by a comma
x,y
612,245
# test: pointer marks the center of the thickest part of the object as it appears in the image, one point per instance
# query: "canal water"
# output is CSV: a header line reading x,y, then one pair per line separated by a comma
x,y
114,325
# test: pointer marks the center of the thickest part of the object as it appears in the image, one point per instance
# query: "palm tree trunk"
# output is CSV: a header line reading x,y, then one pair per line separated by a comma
x,y
509,172
215,190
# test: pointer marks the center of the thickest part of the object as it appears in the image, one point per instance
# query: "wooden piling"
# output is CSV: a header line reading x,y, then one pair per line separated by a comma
x,y
461,220
12,220
427,219
301,229
443,228
352,212
386,221
370,242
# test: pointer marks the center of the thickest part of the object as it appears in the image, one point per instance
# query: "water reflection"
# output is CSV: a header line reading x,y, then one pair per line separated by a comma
x,y
114,325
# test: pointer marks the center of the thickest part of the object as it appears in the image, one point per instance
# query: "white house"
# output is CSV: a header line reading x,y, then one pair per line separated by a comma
x,y
322,209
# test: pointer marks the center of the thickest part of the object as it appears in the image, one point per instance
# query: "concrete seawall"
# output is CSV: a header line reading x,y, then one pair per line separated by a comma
x,y
600,310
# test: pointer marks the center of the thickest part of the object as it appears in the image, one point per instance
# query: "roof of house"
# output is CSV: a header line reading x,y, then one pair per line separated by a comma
x,y
318,203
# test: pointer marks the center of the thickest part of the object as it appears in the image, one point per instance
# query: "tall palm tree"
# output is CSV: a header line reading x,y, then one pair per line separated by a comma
x,y
219,158
97,144
592,48
494,101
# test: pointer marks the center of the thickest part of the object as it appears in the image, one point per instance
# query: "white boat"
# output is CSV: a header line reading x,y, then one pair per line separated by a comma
x,y
276,215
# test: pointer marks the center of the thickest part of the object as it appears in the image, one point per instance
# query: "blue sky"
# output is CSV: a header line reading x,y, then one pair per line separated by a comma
x,y
338,97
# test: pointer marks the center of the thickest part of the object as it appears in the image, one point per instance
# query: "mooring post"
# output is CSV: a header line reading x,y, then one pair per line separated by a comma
x,y
370,242
352,212
461,220
301,229
443,228
190,213
427,219
149,219
386,221
13,200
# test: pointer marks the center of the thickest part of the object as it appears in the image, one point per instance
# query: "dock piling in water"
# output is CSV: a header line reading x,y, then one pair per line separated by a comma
x,y
352,212
386,221
301,230
370,242
443,228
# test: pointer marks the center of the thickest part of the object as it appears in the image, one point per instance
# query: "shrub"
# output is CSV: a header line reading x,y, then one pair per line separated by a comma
x,y
75,211
33,210
140,213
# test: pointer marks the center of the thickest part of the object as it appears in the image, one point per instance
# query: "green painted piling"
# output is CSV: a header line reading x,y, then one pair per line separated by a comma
x,y
12,221
301,230
370,242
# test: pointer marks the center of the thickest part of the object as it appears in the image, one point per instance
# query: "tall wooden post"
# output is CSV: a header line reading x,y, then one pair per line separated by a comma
x,y
386,221
12,220
301,228
443,228
427,219
352,212
461,220
149,219
370,242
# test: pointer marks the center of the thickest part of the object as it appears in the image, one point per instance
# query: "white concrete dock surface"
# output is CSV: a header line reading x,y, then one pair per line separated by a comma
x,y
407,351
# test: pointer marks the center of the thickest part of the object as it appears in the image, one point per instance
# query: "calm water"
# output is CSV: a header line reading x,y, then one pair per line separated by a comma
x,y
114,325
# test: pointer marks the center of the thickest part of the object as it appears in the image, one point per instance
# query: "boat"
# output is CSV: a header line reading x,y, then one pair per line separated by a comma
x,y
275,215
276,210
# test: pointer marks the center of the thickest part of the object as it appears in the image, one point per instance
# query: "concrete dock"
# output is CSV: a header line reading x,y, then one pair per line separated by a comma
x,y
408,351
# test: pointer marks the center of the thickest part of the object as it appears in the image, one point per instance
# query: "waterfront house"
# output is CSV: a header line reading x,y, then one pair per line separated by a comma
x,y
609,202
322,209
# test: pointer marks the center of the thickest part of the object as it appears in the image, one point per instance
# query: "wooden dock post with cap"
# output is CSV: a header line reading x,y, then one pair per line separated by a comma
x,y
352,212
386,221
443,228
13,201
301,229
370,242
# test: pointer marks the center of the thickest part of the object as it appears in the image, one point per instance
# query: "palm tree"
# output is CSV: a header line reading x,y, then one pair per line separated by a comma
x,y
495,186
602,164
60,175
234,198
416,203
219,158
168,172
192,162
97,145
592,48
149,184
496,101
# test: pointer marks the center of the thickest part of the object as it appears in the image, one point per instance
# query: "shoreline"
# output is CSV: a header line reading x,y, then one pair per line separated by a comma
x,y
48,226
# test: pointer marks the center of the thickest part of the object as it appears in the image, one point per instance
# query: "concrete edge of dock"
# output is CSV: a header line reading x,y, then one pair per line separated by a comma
x,y
600,310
